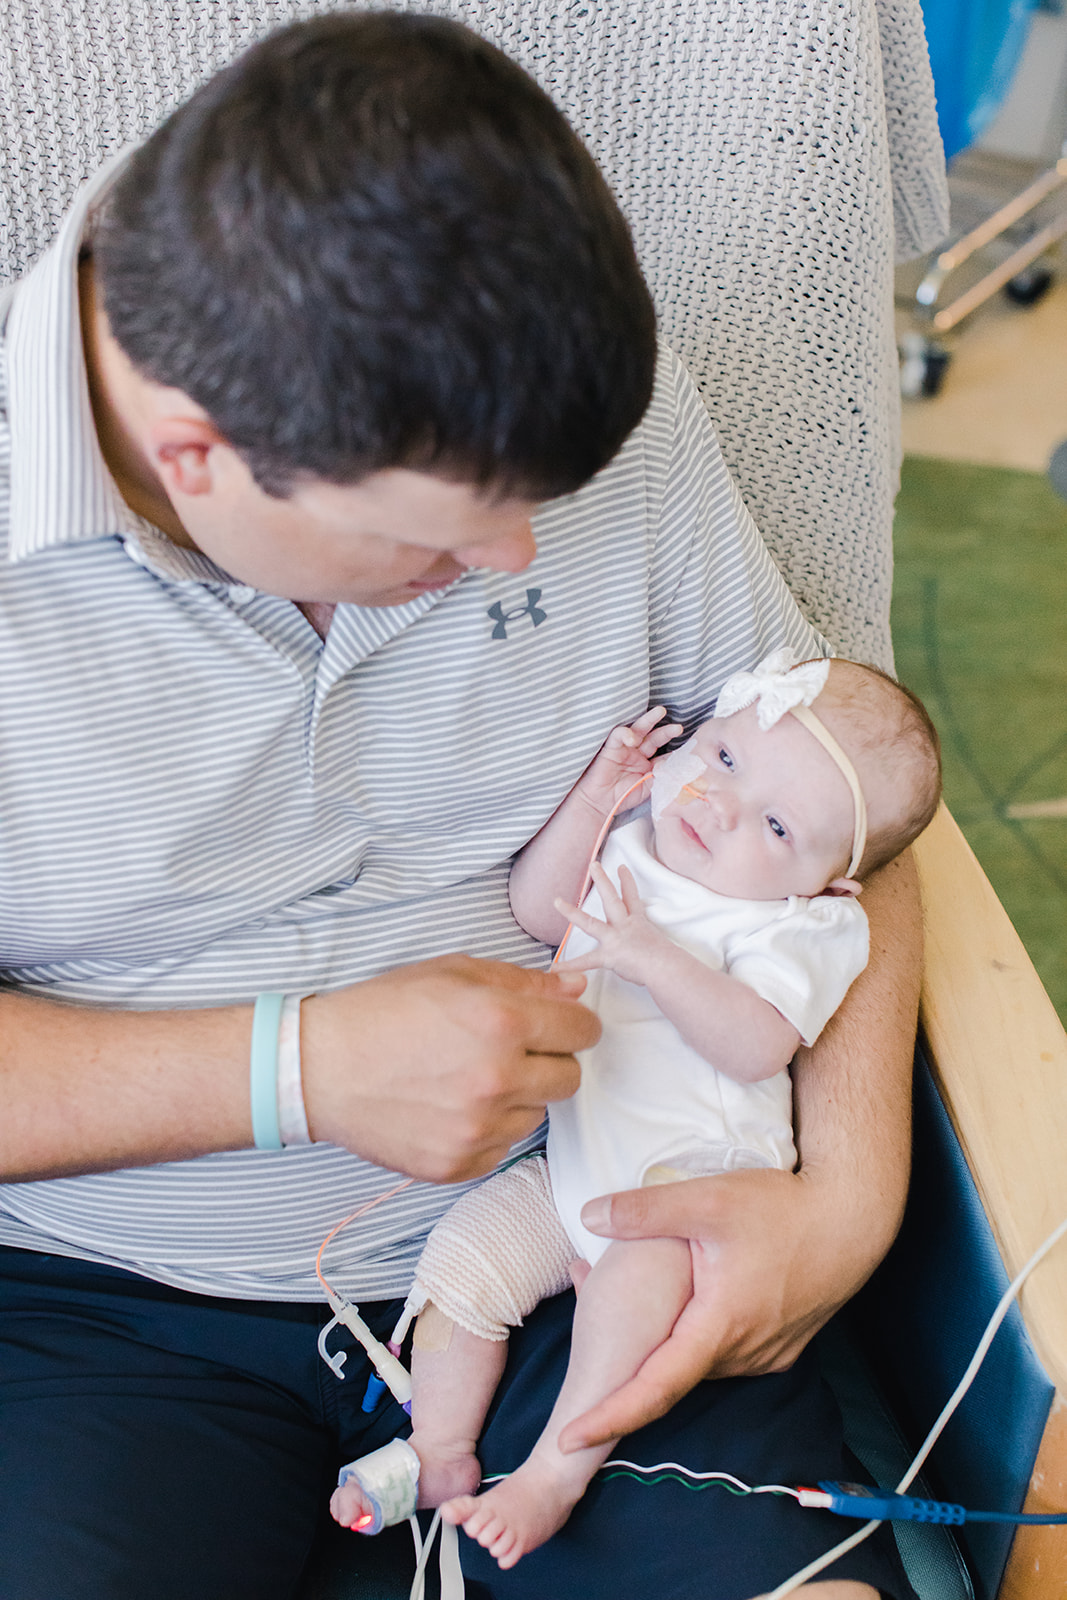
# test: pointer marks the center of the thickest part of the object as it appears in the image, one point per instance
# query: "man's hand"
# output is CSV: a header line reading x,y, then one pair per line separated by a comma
x,y
761,1287
437,1069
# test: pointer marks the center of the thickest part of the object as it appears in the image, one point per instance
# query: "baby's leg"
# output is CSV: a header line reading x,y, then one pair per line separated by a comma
x,y
454,1375
487,1263
627,1307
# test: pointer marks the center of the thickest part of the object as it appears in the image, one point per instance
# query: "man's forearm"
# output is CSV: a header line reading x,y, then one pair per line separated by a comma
x,y
434,1070
853,1088
87,1090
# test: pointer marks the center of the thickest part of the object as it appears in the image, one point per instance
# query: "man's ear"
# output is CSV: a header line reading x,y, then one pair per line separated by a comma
x,y
180,449
850,886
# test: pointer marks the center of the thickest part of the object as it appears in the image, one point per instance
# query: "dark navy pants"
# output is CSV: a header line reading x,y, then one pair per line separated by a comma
x,y
167,1445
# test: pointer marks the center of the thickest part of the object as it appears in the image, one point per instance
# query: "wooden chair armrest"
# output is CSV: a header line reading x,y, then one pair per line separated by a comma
x,y
999,1056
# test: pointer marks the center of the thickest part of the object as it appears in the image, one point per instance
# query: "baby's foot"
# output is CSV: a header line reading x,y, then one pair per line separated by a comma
x,y
520,1513
445,1469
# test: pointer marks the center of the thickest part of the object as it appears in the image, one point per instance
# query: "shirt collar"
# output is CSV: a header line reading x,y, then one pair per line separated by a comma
x,y
61,489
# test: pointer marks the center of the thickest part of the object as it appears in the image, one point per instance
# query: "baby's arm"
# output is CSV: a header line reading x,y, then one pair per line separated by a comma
x,y
555,860
724,1021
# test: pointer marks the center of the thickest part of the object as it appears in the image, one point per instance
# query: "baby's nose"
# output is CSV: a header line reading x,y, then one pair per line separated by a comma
x,y
723,809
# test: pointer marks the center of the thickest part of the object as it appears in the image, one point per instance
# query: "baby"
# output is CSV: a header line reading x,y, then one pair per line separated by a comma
x,y
722,932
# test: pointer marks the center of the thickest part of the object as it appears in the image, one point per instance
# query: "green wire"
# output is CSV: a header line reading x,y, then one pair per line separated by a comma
x,y
661,1477
674,1477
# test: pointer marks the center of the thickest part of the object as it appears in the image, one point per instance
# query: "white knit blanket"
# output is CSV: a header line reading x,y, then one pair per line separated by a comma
x,y
767,154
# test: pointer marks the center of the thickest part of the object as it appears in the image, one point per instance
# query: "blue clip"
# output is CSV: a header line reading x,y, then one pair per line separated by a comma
x,y
375,1389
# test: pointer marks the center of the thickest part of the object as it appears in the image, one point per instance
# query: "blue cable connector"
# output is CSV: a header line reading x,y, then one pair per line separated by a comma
x,y
882,1505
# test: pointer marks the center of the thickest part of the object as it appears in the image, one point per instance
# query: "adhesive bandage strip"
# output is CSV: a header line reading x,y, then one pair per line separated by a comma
x,y
672,774
389,1479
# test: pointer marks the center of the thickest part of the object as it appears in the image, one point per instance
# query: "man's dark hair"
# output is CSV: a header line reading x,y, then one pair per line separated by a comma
x,y
373,241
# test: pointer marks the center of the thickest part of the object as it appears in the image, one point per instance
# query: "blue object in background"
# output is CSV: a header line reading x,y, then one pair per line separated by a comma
x,y
975,47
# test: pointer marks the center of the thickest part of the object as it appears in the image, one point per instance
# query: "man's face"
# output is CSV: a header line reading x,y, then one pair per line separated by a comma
x,y
381,542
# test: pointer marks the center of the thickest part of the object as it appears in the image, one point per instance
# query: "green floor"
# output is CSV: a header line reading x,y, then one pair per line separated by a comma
x,y
980,631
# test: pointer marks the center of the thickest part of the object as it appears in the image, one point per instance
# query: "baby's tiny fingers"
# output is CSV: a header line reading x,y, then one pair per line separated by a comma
x,y
581,919
660,736
586,963
631,897
609,895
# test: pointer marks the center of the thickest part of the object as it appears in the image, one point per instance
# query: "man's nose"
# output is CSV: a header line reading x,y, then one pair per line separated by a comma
x,y
511,552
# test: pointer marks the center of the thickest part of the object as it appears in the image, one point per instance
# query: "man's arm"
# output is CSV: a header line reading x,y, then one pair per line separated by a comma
x,y
433,1070
775,1254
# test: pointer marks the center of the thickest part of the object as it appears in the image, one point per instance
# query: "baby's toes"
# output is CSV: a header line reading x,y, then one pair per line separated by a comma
x,y
490,1530
458,1509
503,1547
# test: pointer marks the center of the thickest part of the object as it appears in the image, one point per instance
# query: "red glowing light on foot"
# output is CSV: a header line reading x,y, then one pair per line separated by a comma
x,y
363,1522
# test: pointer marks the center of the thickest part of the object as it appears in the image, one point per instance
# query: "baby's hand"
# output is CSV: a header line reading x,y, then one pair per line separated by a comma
x,y
627,943
624,759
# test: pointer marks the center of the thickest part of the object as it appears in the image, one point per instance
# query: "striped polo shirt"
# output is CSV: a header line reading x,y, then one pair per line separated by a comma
x,y
201,799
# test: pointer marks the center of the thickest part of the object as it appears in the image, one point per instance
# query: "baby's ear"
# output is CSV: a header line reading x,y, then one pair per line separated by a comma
x,y
844,886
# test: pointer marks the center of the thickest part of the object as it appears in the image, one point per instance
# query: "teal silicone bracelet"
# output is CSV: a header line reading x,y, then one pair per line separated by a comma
x,y
263,1072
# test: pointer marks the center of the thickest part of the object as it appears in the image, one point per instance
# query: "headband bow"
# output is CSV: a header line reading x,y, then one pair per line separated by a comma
x,y
777,684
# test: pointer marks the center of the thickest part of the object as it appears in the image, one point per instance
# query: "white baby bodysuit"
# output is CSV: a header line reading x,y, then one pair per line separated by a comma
x,y
647,1100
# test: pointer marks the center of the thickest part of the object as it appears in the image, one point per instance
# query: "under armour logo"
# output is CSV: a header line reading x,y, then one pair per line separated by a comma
x,y
531,609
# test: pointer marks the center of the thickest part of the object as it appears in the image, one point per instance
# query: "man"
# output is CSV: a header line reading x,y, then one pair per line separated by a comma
x,y
347,507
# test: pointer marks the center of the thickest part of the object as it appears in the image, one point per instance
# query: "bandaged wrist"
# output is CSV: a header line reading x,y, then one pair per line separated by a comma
x,y
278,1115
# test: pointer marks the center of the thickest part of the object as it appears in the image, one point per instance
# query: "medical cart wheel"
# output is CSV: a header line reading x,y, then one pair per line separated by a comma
x,y
1029,285
923,364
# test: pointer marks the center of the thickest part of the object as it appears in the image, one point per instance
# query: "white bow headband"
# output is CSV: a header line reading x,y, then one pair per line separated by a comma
x,y
777,685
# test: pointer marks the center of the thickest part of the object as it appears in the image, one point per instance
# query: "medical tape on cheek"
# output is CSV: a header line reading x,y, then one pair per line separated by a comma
x,y
389,1478
672,774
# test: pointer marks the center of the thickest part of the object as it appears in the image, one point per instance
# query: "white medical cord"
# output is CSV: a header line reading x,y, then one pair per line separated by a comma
x,y
1003,1307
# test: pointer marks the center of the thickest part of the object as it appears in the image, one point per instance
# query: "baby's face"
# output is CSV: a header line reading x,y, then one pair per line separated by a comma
x,y
770,816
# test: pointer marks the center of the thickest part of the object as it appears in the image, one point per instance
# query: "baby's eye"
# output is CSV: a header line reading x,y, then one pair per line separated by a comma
x,y
726,758
776,828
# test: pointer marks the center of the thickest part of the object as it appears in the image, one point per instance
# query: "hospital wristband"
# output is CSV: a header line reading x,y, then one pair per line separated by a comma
x,y
292,1115
263,1071
278,1115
